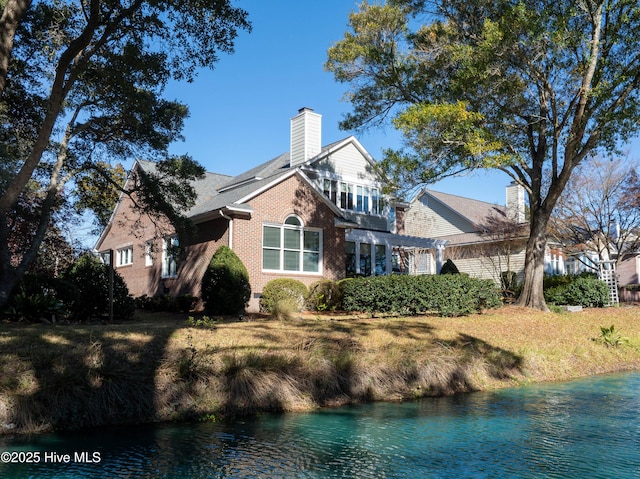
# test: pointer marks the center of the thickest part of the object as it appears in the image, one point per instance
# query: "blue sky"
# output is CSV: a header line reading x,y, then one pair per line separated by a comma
x,y
240,111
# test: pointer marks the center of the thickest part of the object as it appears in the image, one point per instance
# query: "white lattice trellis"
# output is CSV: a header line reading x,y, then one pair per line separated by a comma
x,y
607,273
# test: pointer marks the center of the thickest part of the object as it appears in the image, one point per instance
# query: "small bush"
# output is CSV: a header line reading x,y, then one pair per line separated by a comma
x,y
225,284
610,337
87,292
449,267
324,295
290,292
34,307
552,281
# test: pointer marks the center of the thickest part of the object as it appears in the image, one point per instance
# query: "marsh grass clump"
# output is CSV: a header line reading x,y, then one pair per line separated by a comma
x,y
284,308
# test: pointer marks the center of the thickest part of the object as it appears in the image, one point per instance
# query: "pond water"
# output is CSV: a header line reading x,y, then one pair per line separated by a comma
x,y
580,429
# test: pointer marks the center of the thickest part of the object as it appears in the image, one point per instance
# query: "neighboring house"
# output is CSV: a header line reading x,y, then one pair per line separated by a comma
x,y
482,239
315,212
629,269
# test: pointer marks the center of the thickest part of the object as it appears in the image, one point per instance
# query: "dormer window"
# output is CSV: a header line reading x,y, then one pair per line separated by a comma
x,y
330,189
353,197
346,196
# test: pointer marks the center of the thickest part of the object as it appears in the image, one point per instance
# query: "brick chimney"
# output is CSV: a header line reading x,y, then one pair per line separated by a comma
x,y
515,202
306,129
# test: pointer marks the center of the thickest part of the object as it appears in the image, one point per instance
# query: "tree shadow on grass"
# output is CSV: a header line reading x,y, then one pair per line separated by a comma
x,y
74,377
71,377
328,370
498,363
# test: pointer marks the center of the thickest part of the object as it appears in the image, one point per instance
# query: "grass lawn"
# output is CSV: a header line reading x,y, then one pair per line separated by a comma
x,y
159,368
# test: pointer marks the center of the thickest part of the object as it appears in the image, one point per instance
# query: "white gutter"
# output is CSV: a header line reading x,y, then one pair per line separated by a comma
x,y
230,219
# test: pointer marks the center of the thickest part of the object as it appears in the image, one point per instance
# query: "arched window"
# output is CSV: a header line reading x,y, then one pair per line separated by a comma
x,y
291,247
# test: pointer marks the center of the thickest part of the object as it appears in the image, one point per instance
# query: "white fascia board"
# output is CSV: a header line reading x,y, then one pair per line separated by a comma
x,y
230,210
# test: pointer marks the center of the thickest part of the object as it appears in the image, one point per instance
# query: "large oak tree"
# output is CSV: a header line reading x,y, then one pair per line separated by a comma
x,y
528,87
81,88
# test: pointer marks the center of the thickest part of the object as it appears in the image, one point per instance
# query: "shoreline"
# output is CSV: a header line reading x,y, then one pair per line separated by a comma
x,y
159,369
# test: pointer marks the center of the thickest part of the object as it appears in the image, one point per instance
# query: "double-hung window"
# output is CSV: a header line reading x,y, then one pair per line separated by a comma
x,y
291,247
148,253
124,256
170,257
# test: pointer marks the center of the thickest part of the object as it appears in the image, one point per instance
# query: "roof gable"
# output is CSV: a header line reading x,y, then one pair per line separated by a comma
x,y
473,212
346,158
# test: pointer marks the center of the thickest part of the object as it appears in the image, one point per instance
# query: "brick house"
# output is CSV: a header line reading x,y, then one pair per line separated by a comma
x,y
314,212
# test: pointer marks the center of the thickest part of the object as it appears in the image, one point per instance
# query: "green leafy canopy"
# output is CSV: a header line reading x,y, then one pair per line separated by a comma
x,y
82,91
530,88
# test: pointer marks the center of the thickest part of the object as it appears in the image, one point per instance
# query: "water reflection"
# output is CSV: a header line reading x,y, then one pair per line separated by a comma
x,y
582,429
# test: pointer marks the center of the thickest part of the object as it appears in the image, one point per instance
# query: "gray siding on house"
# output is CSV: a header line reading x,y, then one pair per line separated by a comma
x,y
369,222
488,266
629,270
427,217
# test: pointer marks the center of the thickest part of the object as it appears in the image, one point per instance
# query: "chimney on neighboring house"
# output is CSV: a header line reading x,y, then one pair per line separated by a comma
x,y
515,202
305,136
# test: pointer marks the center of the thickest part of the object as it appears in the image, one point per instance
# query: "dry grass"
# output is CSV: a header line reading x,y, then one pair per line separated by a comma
x,y
158,368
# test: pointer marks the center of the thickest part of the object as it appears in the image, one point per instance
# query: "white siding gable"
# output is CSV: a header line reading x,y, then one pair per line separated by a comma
x,y
347,163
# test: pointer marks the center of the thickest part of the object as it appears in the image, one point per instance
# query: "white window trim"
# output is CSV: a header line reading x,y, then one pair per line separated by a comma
x,y
166,266
282,227
375,207
374,257
124,256
148,253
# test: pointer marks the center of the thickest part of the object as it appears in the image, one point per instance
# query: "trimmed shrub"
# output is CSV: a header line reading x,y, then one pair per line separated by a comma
x,y
87,291
552,281
449,267
579,291
291,292
324,295
225,284
447,295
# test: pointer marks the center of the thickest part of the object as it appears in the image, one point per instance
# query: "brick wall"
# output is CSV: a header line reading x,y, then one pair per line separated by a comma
x,y
292,196
130,228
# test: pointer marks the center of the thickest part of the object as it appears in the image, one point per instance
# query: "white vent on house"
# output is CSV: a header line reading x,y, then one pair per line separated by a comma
x,y
306,129
515,202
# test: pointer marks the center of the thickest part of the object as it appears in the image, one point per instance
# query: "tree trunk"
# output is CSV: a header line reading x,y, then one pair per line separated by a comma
x,y
8,281
13,12
532,295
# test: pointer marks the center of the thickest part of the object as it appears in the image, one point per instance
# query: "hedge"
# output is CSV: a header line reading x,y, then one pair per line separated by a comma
x,y
578,291
447,295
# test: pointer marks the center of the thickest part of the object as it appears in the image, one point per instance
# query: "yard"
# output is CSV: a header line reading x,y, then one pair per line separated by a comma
x,y
158,367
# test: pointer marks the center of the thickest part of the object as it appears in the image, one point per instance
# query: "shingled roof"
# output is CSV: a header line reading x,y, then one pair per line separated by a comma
x,y
474,211
216,191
